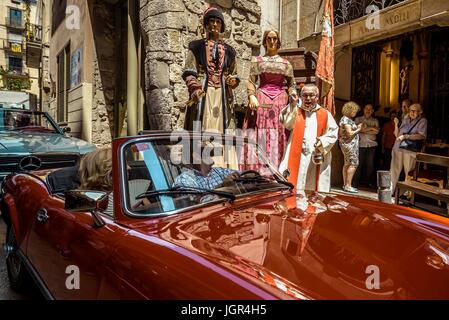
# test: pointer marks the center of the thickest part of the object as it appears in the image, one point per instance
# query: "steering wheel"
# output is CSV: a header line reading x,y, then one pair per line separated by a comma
x,y
247,172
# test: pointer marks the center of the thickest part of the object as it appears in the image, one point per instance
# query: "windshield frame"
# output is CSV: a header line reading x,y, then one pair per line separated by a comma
x,y
123,174
56,127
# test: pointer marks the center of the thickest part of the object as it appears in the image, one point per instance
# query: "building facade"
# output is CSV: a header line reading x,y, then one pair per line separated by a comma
x,y
20,48
168,27
113,68
85,65
385,51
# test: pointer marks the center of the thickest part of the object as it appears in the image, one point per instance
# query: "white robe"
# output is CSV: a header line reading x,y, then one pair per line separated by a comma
x,y
307,169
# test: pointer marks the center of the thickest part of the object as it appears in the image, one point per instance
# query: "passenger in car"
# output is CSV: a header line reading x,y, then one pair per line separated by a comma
x,y
201,173
95,173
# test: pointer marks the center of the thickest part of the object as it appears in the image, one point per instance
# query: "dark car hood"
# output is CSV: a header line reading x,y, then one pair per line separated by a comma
x,y
324,246
23,142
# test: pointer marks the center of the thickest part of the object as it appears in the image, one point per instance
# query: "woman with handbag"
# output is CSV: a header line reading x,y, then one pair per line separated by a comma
x,y
410,138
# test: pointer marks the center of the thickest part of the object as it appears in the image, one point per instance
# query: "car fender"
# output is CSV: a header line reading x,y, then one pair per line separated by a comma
x,y
9,215
15,195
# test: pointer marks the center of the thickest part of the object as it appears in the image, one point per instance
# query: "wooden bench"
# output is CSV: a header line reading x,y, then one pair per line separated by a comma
x,y
421,185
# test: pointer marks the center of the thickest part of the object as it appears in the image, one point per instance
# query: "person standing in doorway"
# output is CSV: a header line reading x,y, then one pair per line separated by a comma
x,y
388,139
413,128
405,106
367,147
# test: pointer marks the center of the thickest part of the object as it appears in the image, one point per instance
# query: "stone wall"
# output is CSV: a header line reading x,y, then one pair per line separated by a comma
x,y
168,26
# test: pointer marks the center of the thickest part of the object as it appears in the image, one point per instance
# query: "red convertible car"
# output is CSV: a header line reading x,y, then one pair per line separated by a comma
x,y
188,227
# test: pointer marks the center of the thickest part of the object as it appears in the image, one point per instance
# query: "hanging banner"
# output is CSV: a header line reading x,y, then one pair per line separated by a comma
x,y
325,64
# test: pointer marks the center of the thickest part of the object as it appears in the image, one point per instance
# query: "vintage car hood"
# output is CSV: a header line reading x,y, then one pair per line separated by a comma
x,y
324,246
23,142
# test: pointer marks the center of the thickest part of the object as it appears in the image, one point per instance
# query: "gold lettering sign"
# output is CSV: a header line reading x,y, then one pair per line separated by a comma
x,y
16,47
377,24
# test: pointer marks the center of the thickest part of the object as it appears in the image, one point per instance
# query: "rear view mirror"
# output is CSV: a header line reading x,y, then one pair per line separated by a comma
x,y
66,130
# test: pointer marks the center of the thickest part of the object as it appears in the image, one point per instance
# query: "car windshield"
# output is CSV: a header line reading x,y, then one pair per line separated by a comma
x,y
165,175
24,120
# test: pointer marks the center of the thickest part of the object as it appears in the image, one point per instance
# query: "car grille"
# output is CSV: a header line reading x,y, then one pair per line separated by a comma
x,y
48,161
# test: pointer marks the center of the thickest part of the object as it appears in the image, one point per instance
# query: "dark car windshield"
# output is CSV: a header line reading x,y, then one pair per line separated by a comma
x,y
165,175
24,120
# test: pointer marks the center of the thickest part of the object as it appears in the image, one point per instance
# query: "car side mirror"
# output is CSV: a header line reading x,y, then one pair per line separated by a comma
x,y
66,130
84,200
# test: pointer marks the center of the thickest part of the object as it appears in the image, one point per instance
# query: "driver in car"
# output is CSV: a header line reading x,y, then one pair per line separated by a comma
x,y
201,172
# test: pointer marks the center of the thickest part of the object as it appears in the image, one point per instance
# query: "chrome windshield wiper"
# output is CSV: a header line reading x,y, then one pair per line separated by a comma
x,y
257,177
185,190
266,180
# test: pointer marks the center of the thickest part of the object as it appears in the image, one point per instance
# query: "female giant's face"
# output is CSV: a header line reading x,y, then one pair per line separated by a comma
x,y
271,41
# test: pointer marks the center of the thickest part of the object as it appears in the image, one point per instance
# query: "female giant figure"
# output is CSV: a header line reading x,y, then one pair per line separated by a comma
x,y
276,83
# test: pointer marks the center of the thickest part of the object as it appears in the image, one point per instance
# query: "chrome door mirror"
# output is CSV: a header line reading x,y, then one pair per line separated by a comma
x,y
86,200
66,130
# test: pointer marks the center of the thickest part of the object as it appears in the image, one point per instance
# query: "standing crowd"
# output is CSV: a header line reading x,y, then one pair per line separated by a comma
x,y
402,137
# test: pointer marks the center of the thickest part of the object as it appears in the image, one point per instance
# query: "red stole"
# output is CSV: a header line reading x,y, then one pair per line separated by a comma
x,y
294,158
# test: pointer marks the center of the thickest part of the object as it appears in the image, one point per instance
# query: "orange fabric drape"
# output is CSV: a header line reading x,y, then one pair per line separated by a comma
x,y
294,158
325,63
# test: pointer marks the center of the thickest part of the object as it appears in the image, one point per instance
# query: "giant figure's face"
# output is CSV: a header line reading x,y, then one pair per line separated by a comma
x,y
214,26
271,41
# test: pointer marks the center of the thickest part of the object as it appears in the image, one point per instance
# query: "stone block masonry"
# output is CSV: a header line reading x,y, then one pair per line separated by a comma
x,y
168,26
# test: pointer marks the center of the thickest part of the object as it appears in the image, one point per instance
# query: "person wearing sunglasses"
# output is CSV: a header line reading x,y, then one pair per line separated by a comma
x,y
410,137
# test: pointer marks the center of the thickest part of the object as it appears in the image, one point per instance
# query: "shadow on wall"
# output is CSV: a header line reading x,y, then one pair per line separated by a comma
x,y
109,61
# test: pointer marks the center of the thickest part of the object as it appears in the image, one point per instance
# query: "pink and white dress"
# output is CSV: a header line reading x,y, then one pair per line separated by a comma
x,y
276,82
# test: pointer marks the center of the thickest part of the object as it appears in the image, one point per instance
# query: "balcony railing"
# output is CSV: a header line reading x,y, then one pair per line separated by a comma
x,y
34,33
348,10
15,79
13,72
15,23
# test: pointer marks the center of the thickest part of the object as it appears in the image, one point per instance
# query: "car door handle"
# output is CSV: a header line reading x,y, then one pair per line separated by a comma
x,y
42,215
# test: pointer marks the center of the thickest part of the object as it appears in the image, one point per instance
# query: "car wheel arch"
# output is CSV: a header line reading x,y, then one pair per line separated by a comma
x,y
9,215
